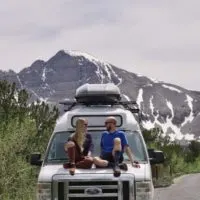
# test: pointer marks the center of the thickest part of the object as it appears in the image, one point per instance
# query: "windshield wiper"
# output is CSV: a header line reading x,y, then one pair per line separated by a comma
x,y
58,159
140,161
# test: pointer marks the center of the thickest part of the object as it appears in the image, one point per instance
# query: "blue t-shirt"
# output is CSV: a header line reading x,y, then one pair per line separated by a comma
x,y
107,140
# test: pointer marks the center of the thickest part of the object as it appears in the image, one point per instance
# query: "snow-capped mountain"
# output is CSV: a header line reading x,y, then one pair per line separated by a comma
x,y
174,108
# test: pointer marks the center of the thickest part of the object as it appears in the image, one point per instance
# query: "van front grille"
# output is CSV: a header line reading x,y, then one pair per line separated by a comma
x,y
102,190
83,189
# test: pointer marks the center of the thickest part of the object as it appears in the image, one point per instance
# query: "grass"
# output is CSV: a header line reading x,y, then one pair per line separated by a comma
x,y
165,178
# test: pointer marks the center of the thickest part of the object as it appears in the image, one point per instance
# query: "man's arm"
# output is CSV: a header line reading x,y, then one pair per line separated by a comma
x,y
128,151
130,156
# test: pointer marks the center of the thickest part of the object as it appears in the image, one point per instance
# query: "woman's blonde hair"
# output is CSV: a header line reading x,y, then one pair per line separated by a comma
x,y
79,135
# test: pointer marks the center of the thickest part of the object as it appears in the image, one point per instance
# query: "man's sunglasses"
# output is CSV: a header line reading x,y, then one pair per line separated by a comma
x,y
109,122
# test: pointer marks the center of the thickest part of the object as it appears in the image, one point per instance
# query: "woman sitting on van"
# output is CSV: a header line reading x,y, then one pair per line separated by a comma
x,y
79,147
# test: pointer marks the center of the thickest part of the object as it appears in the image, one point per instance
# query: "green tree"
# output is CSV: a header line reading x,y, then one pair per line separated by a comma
x,y
7,100
44,116
23,130
194,151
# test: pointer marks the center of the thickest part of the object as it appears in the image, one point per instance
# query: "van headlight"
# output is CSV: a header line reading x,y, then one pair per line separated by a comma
x,y
144,190
44,191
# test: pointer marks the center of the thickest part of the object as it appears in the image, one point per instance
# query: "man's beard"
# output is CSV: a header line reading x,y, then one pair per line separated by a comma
x,y
108,128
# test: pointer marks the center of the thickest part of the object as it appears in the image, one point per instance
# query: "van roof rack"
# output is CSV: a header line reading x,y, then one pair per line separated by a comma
x,y
129,105
99,94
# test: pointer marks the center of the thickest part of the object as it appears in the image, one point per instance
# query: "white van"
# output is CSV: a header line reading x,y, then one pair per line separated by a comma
x,y
95,102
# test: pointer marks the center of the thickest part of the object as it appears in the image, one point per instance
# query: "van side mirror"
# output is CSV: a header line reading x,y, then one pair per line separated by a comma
x,y
35,159
156,157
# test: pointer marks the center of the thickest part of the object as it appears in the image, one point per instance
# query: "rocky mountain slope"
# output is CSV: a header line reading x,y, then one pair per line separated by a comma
x,y
174,108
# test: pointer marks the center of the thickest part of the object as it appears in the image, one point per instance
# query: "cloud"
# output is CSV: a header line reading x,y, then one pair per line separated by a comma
x,y
148,37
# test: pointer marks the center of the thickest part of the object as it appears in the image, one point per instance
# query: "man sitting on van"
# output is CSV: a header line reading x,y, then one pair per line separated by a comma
x,y
113,144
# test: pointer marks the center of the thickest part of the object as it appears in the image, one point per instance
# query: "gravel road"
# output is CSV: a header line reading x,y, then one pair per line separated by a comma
x,y
185,188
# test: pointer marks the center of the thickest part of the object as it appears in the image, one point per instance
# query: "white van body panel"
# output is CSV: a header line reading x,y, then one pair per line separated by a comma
x,y
48,171
129,123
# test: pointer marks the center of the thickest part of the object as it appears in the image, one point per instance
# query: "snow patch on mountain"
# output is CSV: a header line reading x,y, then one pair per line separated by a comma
x,y
100,74
126,97
108,72
176,132
87,81
168,127
190,118
21,85
115,74
171,88
44,74
140,97
139,75
33,92
45,86
28,71
85,55
152,79
151,105
148,124
170,106
189,136
148,85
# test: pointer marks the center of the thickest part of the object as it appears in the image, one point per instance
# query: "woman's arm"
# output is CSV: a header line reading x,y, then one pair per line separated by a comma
x,y
88,146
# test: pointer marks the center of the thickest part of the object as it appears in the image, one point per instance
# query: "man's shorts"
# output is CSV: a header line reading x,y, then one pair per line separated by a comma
x,y
109,157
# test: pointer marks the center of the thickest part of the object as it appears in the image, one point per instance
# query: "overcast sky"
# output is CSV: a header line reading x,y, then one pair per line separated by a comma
x,y
156,38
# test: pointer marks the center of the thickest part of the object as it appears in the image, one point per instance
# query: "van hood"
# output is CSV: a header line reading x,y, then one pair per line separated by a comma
x,y
48,171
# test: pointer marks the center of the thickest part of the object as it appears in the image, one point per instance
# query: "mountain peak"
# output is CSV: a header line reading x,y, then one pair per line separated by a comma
x,y
60,53
38,63
174,109
87,56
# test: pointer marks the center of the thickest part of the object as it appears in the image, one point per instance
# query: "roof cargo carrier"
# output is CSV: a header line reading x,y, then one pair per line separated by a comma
x,y
98,93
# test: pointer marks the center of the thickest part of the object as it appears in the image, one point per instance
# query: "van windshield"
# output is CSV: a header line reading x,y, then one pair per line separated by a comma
x,y
57,154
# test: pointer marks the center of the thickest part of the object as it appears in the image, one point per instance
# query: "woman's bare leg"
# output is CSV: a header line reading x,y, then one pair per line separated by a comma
x,y
85,164
70,149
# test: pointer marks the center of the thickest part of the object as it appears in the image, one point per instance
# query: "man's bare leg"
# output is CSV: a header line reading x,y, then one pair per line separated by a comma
x,y
70,149
117,145
116,155
100,162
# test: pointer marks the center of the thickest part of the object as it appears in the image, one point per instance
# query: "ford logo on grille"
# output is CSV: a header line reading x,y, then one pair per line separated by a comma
x,y
93,191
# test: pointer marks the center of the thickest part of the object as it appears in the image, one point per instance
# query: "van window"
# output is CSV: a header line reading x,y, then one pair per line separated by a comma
x,y
96,120
56,151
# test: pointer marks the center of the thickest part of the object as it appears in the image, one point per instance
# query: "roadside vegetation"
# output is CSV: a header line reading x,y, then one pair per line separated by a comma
x,y
24,128
181,158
